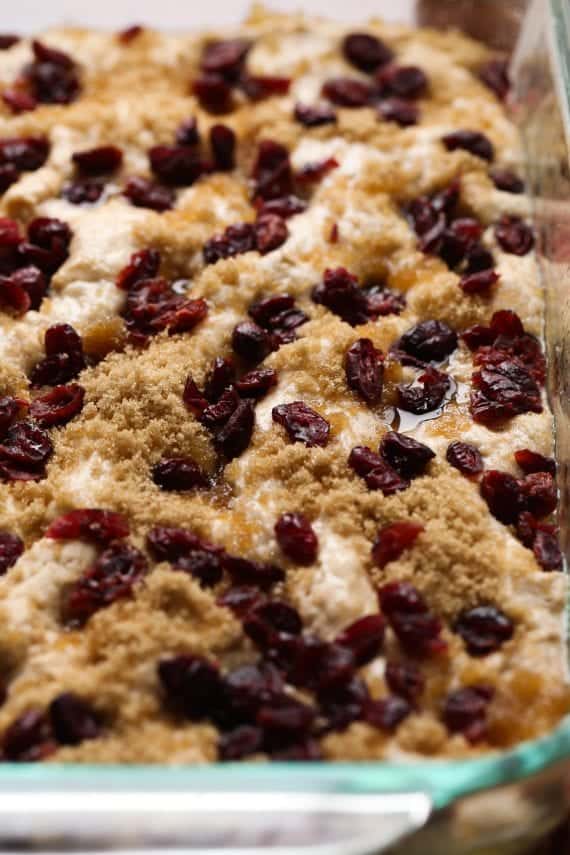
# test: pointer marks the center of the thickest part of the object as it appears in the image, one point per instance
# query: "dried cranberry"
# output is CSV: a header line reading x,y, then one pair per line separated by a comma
x,y
507,181
144,193
547,551
402,81
192,685
24,153
344,701
59,406
240,599
472,141
340,293
285,722
129,34
179,474
235,240
427,397
98,161
387,713
220,377
8,40
364,637
381,301
251,342
216,415
18,100
296,537
257,87
176,165
187,133
404,679
193,398
495,75
271,232
234,437
478,259
9,409
347,91
416,628
272,171
152,305
64,358
267,620
363,460
85,192
225,57
507,323
502,493
364,370
429,341
406,455
111,578
241,742
53,75
89,524
531,461
365,51
213,93
302,423
223,145
316,171
24,453
404,113
49,240
203,563
13,295
169,544
29,738
185,316
514,235
483,629
247,572
8,176
478,283
144,264
257,383
277,313
11,547
539,493
465,457
313,116
284,207
73,720
465,711
502,391
378,474
393,539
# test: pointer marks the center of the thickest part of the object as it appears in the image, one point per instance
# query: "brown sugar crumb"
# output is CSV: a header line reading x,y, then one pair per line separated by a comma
x,y
300,639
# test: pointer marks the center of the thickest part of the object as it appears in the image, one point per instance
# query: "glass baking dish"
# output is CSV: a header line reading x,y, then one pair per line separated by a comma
x,y
497,804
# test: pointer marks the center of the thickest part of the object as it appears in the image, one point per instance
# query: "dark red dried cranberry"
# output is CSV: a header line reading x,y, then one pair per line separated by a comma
x,y
365,51
406,455
404,113
32,281
507,181
246,572
285,722
24,453
364,369
427,397
296,537
216,415
152,305
272,171
465,457
144,193
234,437
213,93
284,207
393,540
269,311
24,153
531,461
340,293
18,100
59,406
495,75
387,713
514,235
193,398
64,358
502,493
302,423
381,301
378,474
257,87
239,599
179,474
13,296
223,145
527,527
225,57
192,685
9,409
8,176
316,171
8,40
313,116
364,637
176,165
111,578
129,34
49,240
547,551
404,679
53,76
268,620
203,563
465,711
429,341
251,342
347,91
167,543
241,742
472,141
144,264
402,81
271,232
73,720
85,192
477,259
478,283
539,493
257,383
29,738
246,689
89,524
184,317
235,240
11,547
416,628
219,378
188,133
344,701
506,323
502,391
363,460
98,161
483,629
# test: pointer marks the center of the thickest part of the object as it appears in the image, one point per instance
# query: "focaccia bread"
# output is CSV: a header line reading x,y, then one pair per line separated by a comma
x,y
276,475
